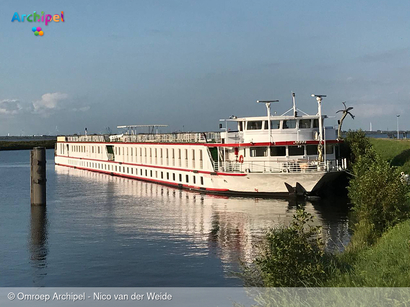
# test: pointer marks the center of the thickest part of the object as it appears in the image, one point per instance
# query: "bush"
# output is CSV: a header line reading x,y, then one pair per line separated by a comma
x,y
291,256
358,144
379,197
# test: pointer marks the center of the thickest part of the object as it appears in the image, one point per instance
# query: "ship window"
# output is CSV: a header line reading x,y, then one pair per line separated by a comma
x,y
132,172
187,178
141,172
173,176
146,173
202,180
316,123
115,168
296,150
128,170
180,177
259,152
162,175
167,176
156,174
194,179
311,150
289,124
304,123
275,124
150,174
329,149
240,126
254,125
278,151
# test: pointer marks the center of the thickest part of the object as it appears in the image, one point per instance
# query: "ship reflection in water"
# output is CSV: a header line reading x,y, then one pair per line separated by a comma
x,y
227,227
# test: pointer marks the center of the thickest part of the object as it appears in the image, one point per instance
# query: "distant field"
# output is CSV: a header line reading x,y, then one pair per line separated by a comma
x,y
397,152
17,145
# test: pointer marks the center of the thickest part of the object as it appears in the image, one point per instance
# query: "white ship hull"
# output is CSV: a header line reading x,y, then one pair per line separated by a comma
x,y
252,184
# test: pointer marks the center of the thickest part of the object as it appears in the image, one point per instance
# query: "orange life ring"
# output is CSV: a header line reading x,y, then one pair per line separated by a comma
x,y
240,159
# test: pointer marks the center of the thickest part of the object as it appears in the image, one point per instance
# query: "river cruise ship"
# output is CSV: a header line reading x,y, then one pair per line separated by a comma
x,y
285,155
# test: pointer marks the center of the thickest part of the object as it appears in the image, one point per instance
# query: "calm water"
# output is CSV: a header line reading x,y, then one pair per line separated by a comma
x,y
100,230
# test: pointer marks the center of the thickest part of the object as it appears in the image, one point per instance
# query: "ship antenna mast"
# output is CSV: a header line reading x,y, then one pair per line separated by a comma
x,y
319,107
267,103
295,113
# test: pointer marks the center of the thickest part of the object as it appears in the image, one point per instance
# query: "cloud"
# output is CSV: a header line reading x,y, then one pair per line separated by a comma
x,y
82,109
49,102
10,106
393,55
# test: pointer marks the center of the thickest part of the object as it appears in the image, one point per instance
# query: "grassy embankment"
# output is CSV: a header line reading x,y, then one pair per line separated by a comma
x,y
397,152
385,264
18,145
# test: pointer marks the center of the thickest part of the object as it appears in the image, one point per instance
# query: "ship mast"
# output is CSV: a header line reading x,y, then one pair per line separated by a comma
x,y
267,103
319,106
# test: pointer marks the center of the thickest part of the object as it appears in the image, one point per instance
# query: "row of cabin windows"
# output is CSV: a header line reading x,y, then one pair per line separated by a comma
x,y
161,155
280,124
131,170
280,151
168,156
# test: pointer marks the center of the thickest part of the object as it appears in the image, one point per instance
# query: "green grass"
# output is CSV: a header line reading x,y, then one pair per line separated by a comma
x,y
17,145
397,152
386,264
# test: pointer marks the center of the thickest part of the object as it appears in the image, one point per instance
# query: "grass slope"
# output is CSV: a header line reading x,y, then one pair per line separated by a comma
x,y
397,152
386,264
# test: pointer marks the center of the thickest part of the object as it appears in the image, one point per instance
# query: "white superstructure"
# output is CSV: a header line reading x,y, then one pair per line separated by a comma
x,y
266,155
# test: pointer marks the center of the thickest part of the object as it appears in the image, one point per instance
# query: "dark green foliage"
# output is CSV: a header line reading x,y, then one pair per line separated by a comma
x,y
291,256
358,145
379,197
19,145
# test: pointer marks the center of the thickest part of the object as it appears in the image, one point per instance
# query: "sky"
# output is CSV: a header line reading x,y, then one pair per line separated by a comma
x,y
187,64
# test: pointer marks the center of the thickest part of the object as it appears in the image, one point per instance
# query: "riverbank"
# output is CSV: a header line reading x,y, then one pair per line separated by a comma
x,y
20,145
385,264
396,152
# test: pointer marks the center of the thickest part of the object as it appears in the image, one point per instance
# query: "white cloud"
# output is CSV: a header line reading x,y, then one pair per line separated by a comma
x,y
10,106
48,102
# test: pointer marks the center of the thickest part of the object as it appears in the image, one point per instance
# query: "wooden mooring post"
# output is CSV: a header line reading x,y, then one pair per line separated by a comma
x,y
38,176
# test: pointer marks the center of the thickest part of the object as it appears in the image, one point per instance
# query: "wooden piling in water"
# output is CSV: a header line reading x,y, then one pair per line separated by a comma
x,y
38,176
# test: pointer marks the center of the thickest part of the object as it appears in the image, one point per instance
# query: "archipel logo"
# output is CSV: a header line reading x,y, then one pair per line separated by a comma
x,y
38,18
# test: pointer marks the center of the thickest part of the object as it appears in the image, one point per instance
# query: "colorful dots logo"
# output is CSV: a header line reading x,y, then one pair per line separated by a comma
x,y
37,31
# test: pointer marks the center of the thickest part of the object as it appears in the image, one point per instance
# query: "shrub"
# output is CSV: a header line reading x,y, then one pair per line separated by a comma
x,y
379,197
290,256
358,144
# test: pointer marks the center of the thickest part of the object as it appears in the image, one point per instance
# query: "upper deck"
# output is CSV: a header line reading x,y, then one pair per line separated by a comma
x,y
289,127
300,129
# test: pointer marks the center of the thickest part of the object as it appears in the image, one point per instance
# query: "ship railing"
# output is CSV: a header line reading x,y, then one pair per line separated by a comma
x,y
88,138
288,166
178,137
